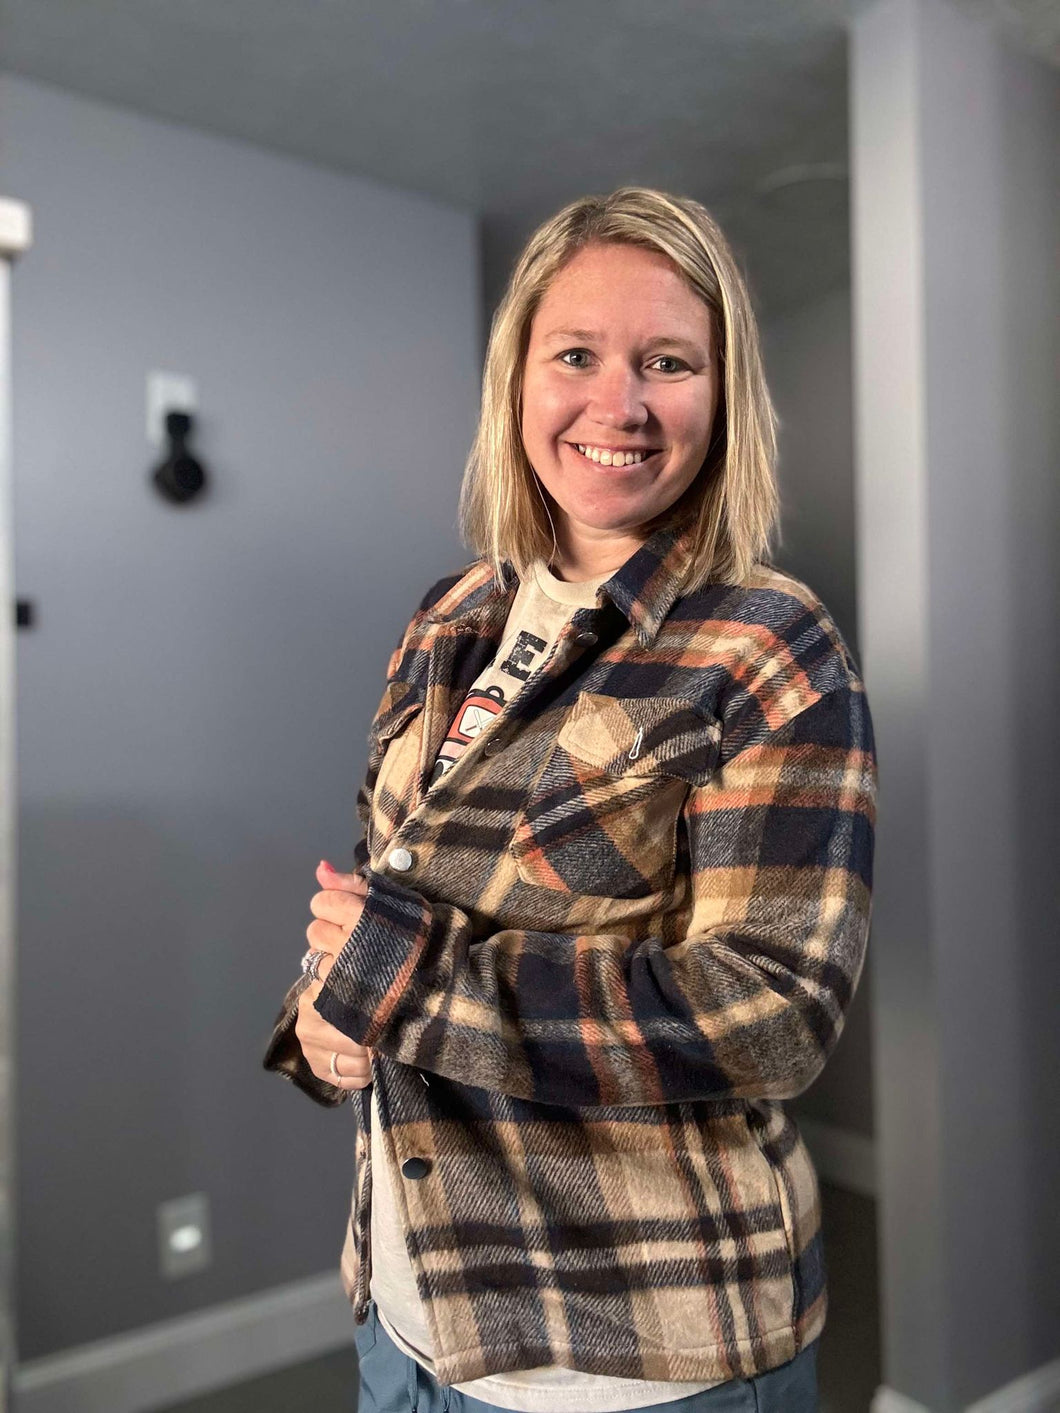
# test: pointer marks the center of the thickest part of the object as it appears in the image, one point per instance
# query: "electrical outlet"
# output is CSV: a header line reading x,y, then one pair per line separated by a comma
x,y
184,1235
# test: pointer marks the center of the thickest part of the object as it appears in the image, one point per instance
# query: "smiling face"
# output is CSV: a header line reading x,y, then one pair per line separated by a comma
x,y
620,389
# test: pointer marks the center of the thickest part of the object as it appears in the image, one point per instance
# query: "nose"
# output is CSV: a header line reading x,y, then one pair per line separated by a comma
x,y
618,398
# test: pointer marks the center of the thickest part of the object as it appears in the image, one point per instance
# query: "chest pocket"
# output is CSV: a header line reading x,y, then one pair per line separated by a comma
x,y
393,756
601,818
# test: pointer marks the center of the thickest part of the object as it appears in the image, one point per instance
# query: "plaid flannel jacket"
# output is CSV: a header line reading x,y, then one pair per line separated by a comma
x,y
594,958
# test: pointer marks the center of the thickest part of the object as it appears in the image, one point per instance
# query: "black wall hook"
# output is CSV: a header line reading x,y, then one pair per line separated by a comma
x,y
179,477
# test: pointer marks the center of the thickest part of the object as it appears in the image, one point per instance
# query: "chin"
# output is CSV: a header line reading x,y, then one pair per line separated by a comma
x,y
620,514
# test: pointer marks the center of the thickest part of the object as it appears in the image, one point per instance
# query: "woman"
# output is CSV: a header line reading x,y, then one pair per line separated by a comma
x,y
613,897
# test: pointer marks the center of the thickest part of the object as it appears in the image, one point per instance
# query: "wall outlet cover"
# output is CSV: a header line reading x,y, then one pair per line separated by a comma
x,y
184,1235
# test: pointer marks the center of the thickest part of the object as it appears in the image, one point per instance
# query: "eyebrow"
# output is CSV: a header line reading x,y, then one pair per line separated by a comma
x,y
593,336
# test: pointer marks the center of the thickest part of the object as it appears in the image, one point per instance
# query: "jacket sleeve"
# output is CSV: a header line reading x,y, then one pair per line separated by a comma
x,y
748,1004
283,1054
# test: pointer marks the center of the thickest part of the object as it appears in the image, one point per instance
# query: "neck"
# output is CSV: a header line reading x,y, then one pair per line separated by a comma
x,y
576,562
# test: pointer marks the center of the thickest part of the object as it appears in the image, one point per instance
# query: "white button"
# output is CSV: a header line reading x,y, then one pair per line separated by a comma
x,y
400,859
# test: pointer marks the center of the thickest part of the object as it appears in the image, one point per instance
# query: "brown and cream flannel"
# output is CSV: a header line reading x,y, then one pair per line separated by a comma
x,y
593,960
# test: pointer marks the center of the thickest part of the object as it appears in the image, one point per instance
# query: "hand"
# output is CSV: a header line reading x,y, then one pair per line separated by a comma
x,y
336,912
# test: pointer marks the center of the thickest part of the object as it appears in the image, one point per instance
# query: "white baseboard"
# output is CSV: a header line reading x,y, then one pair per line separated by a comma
x,y
886,1400
1036,1392
845,1159
196,1354
192,1355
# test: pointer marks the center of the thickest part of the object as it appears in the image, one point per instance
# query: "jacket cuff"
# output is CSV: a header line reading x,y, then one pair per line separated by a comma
x,y
284,1053
367,990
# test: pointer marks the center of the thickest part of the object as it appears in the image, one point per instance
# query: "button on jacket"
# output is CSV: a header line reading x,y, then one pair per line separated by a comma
x,y
593,960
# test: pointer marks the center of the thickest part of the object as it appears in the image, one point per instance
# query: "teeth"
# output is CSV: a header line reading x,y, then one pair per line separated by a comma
x,y
606,457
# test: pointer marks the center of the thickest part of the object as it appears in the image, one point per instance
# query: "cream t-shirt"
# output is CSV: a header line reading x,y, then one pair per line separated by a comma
x,y
542,607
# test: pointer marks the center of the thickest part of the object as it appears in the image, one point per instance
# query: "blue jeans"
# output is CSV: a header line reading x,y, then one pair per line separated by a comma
x,y
391,1382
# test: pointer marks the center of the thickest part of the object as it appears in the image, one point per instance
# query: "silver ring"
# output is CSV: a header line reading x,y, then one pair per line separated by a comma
x,y
334,1066
310,963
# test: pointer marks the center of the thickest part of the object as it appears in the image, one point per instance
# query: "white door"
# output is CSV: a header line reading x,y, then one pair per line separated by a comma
x,y
14,239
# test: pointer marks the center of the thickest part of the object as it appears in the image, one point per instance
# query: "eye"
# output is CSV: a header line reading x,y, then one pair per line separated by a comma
x,y
678,365
571,353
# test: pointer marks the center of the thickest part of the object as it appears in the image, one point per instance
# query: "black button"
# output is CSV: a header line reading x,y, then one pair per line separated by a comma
x,y
586,640
415,1167
493,748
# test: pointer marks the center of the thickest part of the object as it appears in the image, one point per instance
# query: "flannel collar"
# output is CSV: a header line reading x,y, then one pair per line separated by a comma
x,y
644,588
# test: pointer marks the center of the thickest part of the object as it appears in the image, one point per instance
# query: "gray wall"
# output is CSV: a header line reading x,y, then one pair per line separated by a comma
x,y
193,703
808,367
956,314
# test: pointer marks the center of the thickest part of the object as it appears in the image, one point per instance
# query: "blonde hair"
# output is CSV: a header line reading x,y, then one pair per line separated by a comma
x,y
731,509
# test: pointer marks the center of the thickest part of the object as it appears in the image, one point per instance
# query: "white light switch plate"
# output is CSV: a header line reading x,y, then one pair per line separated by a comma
x,y
167,392
16,227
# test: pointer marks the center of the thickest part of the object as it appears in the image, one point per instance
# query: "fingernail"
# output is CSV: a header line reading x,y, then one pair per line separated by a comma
x,y
324,864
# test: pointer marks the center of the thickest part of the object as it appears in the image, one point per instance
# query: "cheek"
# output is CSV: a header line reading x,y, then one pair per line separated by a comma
x,y
548,409
691,424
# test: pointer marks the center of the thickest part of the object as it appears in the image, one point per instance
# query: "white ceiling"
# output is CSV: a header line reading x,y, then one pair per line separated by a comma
x,y
511,107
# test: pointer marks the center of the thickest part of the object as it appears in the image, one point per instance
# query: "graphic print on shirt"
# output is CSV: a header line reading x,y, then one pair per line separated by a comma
x,y
483,703
521,661
476,712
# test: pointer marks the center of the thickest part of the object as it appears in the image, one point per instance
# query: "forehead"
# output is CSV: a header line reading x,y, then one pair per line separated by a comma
x,y
619,288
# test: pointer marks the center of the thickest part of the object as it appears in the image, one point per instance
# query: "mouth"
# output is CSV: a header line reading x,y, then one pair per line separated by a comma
x,y
616,457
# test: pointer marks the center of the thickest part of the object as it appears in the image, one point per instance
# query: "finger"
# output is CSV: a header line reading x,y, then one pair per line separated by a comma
x,y
353,1079
325,964
329,877
334,905
350,1084
343,1068
325,961
326,937
320,1041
